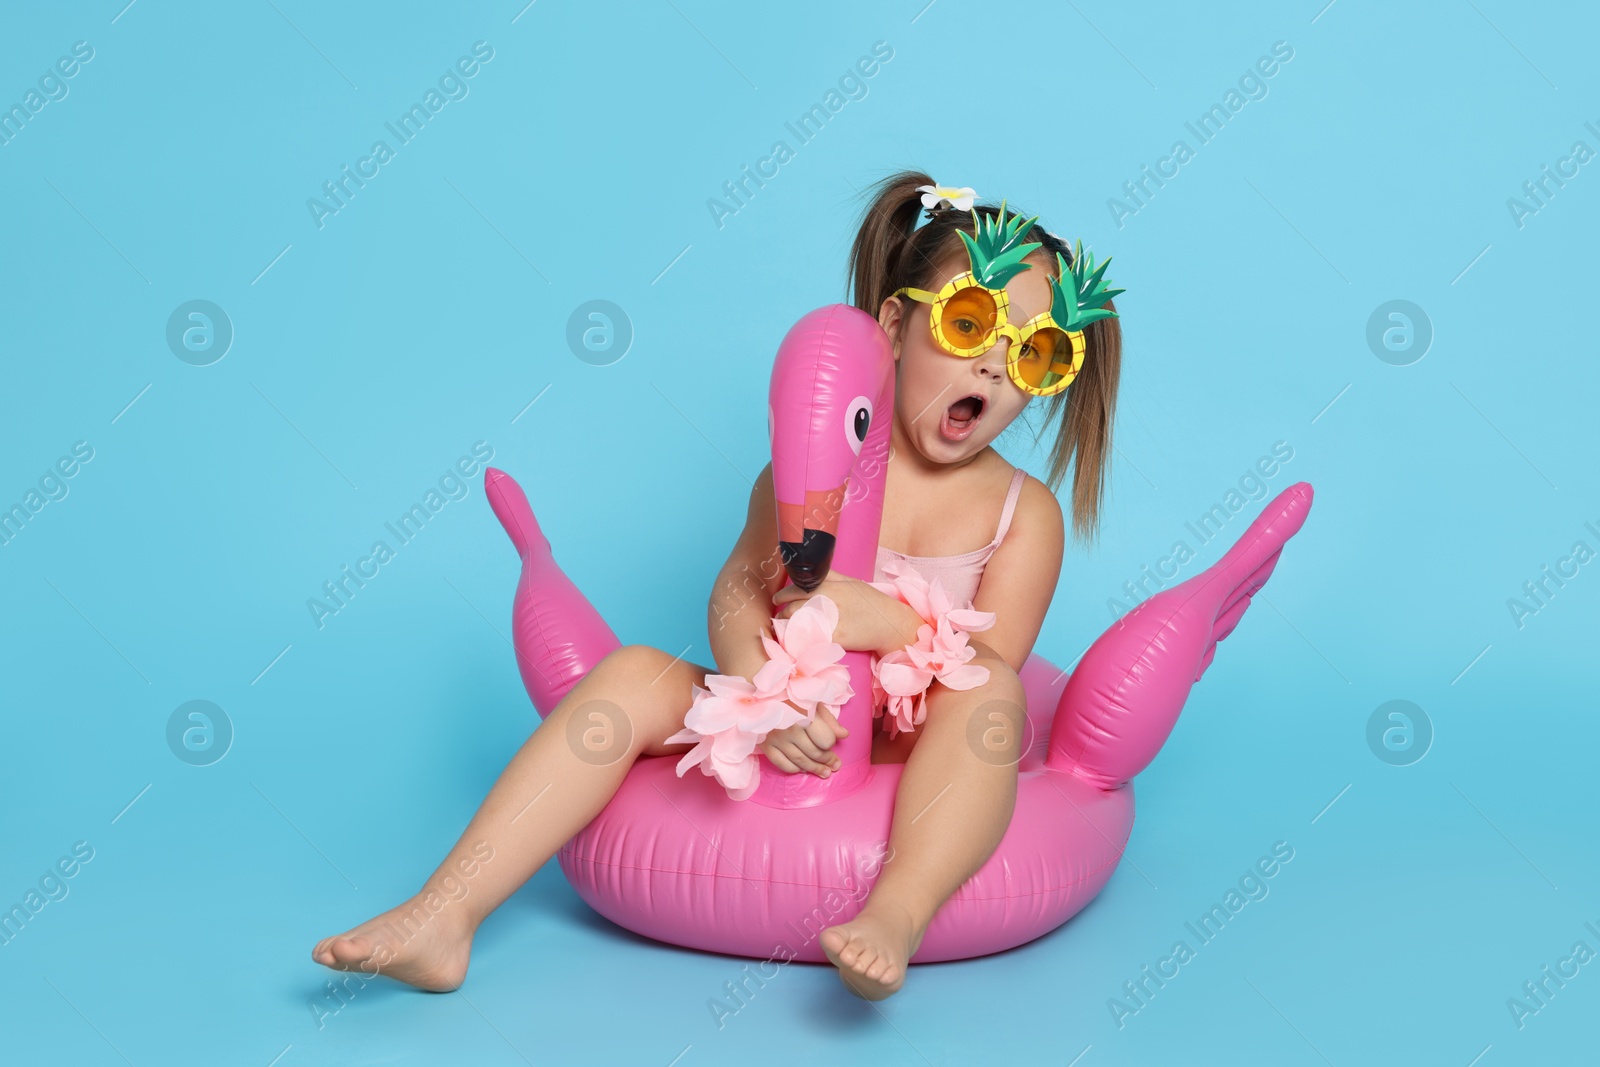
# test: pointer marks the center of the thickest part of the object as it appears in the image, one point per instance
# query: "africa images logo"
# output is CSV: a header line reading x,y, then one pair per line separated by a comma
x,y
452,85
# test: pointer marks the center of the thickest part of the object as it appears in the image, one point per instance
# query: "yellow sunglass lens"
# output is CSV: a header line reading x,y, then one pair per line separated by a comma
x,y
1036,359
968,317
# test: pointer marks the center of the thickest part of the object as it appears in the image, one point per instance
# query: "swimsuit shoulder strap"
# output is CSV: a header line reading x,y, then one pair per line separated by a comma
x,y
1017,478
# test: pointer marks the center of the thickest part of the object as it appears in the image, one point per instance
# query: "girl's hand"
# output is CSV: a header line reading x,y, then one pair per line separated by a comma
x,y
869,619
804,746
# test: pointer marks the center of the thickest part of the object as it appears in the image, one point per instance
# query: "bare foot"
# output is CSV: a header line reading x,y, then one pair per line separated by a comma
x,y
873,949
426,949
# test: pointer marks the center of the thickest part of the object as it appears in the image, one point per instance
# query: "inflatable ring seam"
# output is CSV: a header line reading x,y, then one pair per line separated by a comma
x,y
568,853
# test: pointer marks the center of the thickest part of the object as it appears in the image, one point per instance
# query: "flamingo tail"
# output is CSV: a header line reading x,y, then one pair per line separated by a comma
x,y
1121,703
558,635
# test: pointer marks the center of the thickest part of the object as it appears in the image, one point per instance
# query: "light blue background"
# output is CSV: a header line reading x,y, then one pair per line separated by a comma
x,y
431,310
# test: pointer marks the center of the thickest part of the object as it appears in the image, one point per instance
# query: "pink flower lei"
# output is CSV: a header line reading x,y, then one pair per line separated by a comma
x,y
731,716
900,680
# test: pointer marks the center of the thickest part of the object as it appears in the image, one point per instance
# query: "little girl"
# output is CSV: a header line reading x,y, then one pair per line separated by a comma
x,y
953,508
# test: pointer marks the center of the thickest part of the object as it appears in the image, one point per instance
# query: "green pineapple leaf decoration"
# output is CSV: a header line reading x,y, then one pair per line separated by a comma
x,y
997,250
1083,303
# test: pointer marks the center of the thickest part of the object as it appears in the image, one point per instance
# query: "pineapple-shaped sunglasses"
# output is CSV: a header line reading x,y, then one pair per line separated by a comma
x,y
969,314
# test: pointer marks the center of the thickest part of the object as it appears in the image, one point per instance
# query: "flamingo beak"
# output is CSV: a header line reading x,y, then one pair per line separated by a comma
x,y
807,534
808,560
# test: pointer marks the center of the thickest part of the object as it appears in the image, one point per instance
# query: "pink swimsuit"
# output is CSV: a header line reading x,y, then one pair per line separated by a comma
x,y
959,574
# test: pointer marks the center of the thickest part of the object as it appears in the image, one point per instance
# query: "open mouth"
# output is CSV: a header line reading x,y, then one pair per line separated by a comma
x,y
959,419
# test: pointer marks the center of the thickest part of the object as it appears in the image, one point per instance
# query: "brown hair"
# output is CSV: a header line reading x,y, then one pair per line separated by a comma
x,y
890,253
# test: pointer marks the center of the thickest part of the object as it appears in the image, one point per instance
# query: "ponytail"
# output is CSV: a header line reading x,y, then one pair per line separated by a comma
x,y
1083,413
884,236
891,252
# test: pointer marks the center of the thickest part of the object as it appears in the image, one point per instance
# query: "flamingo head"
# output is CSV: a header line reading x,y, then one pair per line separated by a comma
x,y
829,416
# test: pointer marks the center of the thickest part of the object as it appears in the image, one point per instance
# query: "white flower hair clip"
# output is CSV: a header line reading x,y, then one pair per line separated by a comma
x,y
959,198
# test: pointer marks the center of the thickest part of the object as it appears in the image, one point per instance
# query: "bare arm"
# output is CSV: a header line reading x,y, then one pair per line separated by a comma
x,y
1020,579
740,608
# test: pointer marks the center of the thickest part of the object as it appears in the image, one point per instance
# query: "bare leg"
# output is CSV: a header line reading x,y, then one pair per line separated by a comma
x,y
559,780
955,800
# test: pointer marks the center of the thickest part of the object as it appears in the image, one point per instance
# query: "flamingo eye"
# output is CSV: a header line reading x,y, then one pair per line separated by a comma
x,y
858,416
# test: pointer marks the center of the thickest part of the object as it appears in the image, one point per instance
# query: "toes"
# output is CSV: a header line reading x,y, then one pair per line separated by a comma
x,y
866,957
324,953
348,951
865,968
887,970
849,947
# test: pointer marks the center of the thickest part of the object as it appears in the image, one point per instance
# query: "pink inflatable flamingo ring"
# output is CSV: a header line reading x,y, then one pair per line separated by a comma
x,y
674,857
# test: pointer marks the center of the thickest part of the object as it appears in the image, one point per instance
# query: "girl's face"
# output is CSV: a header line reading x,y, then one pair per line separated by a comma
x,y
947,407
